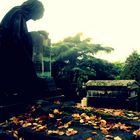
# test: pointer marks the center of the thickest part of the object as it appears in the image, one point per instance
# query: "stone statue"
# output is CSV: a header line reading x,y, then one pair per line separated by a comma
x,y
17,73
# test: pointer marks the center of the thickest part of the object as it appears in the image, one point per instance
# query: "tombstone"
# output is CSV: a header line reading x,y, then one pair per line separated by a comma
x,y
113,93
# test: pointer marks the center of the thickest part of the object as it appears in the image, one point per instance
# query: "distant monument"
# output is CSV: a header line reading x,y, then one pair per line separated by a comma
x,y
17,73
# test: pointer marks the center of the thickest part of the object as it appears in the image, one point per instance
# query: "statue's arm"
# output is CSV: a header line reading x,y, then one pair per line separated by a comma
x,y
19,27
20,35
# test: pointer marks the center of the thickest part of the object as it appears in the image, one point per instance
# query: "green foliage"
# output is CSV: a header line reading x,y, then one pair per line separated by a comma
x,y
104,70
72,48
117,69
74,61
131,69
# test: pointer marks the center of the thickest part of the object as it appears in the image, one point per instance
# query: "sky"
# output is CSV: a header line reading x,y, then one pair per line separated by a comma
x,y
113,23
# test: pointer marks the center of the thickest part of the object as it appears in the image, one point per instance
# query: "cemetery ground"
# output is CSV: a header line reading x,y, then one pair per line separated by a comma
x,y
67,120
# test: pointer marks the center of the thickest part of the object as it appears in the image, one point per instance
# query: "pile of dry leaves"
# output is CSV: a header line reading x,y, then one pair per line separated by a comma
x,y
69,121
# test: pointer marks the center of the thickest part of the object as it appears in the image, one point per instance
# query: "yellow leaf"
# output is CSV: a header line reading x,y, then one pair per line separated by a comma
x,y
81,121
56,111
41,128
61,133
137,132
51,115
102,123
66,125
15,120
71,132
117,138
130,115
26,124
94,133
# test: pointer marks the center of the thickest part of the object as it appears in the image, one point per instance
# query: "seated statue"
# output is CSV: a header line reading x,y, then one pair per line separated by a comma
x,y
17,72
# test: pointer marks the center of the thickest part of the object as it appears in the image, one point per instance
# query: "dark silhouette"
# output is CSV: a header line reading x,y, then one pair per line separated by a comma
x,y
17,73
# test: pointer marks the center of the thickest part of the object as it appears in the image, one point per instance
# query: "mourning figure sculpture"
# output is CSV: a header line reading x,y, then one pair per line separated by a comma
x,y
17,73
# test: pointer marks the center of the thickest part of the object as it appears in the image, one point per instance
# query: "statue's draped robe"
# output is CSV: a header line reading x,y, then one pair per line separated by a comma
x,y
16,67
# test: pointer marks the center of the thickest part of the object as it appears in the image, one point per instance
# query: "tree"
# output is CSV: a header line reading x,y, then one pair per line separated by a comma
x,y
72,61
73,48
117,69
131,69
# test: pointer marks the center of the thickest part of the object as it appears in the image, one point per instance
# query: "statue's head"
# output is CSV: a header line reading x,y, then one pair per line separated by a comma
x,y
33,9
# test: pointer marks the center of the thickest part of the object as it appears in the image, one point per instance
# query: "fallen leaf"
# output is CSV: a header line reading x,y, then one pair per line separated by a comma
x,y
14,120
15,134
121,126
26,124
61,133
41,128
50,132
137,132
117,138
66,125
135,118
124,127
81,121
90,138
118,113
71,132
93,118
109,136
130,115
51,115
56,111
94,133
104,130
102,123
